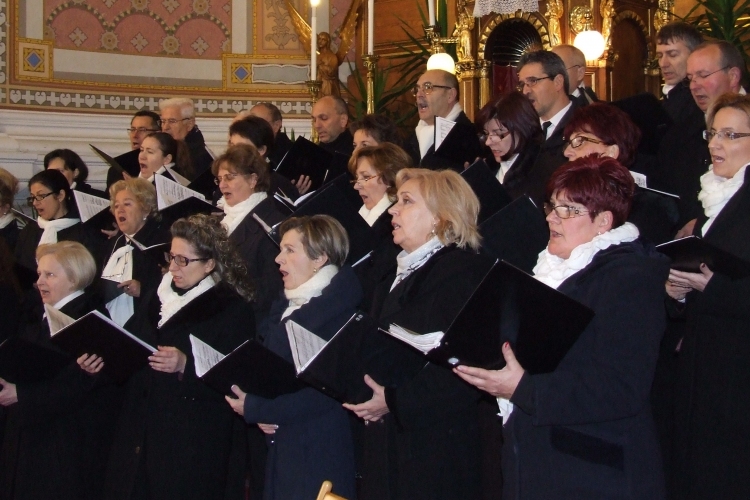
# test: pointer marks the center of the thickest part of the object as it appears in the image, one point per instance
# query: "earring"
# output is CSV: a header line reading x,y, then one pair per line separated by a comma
x,y
145,217
598,233
433,233
315,270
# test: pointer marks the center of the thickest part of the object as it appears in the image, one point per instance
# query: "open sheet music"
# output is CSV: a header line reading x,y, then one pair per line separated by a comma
x,y
88,205
56,320
177,176
442,129
205,356
169,192
304,343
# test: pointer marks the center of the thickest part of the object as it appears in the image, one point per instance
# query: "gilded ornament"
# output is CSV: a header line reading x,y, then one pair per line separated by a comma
x,y
554,13
109,40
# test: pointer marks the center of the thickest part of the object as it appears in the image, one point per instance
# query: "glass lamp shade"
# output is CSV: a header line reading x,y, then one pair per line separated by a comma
x,y
591,43
441,61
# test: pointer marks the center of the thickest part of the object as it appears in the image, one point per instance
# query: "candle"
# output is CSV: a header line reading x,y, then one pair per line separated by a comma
x,y
370,27
431,9
314,43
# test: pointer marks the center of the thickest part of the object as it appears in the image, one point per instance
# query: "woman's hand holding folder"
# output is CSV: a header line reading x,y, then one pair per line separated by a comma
x,y
374,409
499,383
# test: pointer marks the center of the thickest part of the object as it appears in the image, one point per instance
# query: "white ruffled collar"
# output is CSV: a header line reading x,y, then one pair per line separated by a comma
x,y
233,216
371,215
172,302
313,287
716,191
552,270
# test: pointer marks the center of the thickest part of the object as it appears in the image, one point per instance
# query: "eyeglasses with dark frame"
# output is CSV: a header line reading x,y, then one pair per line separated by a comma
x,y
427,88
180,260
497,135
363,180
563,211
721,135
141,130
702,76
172,121
577,141
38,197
530,82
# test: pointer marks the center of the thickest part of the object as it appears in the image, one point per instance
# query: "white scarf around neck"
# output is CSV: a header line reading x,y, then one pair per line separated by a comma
x,y
716,191
313,287
6,219
172,302
410,262
371,215
51,227
119,268
552,270
426,133
233,216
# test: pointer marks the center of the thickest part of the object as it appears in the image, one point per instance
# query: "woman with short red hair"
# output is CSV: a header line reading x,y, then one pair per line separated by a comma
x,y
585,431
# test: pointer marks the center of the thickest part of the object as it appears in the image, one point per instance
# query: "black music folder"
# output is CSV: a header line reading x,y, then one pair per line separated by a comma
x,y
516,234
124,163
305,158
186,208
204,184
492,195
123,353
334,367
23,361
689,253
541,324
252,367
22,217
330,200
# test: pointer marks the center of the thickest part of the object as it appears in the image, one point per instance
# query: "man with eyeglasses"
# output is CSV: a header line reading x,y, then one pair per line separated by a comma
x,y
714,68
143,123
437,94
575,63
543,79
177,118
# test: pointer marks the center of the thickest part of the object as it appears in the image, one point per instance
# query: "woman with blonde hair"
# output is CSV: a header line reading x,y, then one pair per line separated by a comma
x,y
135,273
428,443
58,430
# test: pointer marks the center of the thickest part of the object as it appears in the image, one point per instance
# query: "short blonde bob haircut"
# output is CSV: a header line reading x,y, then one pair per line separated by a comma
x,y
8,187
77,262
387,159
452,202
143,190
321,235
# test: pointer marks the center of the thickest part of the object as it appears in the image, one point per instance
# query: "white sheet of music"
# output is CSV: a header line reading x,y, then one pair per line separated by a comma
x,y
204,355
56,320
89,206
304,343
640,179
169,192
179,178
442,129
424,343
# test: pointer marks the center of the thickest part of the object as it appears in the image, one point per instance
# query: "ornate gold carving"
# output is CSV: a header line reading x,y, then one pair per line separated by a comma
x,y
464,32
327,72
534,18
554,12
607,10
581,19
663,13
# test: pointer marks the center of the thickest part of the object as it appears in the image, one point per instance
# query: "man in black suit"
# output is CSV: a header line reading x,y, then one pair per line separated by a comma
x,y
177,118
575,63
437,94
682,156
330,120
543,79
281,142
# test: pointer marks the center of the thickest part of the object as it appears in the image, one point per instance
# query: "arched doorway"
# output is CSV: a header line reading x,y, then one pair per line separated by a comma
x,y
631,47
504,40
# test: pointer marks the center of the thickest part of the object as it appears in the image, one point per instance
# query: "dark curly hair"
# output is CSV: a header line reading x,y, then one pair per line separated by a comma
x,y
210,240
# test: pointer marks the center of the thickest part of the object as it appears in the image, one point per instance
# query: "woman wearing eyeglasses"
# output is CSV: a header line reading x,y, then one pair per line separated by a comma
x,y
175,433
57,220
711,445
243,178
130,273
585,431
511,130
605,130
